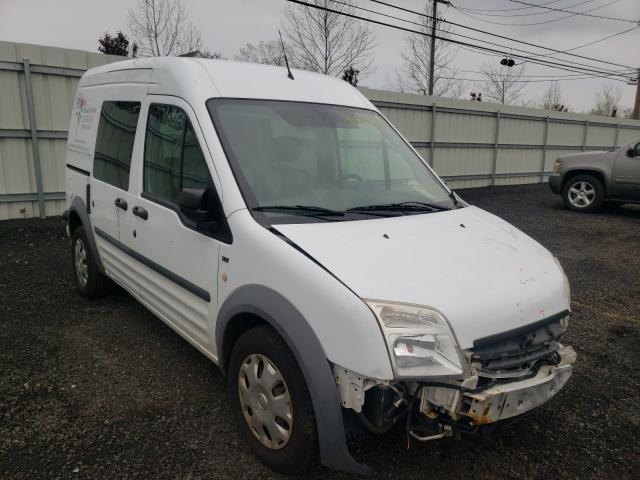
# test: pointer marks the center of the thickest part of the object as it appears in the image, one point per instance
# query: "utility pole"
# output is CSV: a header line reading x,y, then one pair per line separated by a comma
x,y
432,57
636,106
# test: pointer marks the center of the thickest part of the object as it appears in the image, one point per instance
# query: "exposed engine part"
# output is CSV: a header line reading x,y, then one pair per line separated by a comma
x,y
383,407
446,431
351,387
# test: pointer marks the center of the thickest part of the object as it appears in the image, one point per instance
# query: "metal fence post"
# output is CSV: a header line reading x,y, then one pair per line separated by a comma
x,y
615,140
433,135
544,149
584,137
494,165
34,135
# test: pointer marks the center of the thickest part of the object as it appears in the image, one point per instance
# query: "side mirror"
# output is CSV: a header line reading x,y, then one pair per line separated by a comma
x,y
631,152
196,207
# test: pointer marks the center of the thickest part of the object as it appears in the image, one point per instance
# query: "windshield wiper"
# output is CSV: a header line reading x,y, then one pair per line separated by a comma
x,y
400,207
299,210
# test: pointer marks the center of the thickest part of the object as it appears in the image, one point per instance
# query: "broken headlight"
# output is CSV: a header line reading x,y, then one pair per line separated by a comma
x,y
419,339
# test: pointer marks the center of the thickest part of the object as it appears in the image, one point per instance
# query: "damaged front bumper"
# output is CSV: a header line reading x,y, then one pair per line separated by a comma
x,y
482,398
500,399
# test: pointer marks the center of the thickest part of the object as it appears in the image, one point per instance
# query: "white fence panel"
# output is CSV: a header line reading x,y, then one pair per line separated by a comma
x,y
470,144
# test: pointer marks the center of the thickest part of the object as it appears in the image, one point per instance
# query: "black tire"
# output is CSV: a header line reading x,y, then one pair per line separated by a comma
x,y
300,452
593,184
96,284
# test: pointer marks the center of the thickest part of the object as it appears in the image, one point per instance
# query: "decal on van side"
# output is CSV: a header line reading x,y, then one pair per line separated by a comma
x,y
85,114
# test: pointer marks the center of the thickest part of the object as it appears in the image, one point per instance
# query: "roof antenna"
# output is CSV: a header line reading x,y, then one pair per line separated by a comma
x,y
284,52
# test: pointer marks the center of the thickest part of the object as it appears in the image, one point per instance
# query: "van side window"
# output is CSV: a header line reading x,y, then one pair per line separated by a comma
x,y
173,159
114,142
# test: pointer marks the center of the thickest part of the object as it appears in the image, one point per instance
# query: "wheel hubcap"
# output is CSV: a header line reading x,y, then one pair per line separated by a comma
x,y
82,270
265,401
581,194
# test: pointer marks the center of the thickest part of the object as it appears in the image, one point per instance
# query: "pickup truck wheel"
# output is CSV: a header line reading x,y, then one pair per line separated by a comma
x,y
271,402
90,282
583,193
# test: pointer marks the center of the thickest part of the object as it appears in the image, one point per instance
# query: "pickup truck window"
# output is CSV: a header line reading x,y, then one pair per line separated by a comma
x,y
114,142
173,159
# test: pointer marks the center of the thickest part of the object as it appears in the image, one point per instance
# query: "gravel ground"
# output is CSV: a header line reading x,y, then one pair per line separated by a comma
x,y
103,389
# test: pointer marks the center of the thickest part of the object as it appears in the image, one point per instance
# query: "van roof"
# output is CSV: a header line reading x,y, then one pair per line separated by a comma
x,y
197,79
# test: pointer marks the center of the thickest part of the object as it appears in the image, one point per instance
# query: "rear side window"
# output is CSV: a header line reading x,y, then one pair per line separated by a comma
x,y
173,159
114,142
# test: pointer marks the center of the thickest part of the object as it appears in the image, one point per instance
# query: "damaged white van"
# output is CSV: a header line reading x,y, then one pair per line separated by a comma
x,y
280,224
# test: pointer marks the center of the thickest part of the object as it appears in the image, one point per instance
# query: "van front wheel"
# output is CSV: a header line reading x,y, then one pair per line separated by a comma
x,y
271,402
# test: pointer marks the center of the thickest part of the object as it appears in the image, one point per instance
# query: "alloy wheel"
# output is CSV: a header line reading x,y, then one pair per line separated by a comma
x,y
581,194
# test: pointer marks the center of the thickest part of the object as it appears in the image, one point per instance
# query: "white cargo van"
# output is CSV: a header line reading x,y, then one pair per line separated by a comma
x,y
288,231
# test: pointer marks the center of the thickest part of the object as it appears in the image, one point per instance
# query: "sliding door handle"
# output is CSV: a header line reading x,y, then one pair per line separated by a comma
x,y
120,203
140,212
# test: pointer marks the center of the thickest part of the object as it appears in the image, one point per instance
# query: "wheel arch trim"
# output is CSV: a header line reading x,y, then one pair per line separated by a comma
x,y
79,209
276,311
574,172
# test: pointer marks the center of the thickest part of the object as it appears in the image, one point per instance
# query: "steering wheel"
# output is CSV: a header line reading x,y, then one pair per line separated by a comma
x,y
351,177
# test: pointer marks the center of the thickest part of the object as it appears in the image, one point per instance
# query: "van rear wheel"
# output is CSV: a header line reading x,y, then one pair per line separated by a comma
x,y
271,402
90,282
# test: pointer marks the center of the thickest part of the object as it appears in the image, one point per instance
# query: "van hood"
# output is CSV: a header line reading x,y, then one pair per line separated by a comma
x,y
482,273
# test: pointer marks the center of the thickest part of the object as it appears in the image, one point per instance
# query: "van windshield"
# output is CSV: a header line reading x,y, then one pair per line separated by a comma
x,y
322,162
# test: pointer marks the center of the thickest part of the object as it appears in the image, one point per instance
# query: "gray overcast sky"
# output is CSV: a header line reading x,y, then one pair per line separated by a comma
x,y
227,25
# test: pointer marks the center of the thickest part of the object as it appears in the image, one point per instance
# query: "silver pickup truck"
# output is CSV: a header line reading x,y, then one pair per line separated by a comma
x,y
587,180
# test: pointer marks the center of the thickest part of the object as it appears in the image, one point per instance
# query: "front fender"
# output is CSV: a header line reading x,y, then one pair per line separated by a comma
x,y
280,314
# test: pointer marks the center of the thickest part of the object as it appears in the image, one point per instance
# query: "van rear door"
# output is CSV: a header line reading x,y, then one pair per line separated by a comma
x,y
174,267
110,173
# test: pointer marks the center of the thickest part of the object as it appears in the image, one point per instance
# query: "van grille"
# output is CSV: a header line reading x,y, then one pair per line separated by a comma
x,y
522,347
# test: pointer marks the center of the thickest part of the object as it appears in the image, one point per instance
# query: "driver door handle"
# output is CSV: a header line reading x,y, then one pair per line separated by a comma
x,y
140,212
122,204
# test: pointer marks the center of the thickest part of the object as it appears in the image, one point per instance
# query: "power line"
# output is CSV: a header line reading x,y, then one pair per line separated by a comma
x,y
542,62
590,43
510,9
414,12
572,14
611,76
578,13
476,12
519,81
465,36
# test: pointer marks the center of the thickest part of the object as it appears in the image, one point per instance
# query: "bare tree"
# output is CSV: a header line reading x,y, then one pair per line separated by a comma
x,y
607,101
413,76
551,98
268,53
162,28
327,42
502,84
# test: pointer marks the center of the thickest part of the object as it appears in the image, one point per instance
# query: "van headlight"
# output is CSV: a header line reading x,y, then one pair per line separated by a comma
x,y
420,340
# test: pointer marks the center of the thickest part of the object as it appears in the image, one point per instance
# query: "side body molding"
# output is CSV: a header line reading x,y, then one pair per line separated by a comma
x,y
79,208
294,329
